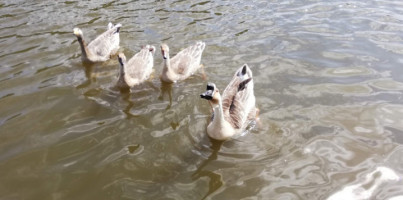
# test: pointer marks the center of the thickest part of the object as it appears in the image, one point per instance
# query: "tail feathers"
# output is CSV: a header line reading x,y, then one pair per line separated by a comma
x,y
242,85
151,49
198,48
117,26
201,44
244,72
110,25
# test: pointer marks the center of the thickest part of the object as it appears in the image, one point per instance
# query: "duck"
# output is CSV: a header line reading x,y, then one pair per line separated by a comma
x,y
101,48
137,69
183,64
235,108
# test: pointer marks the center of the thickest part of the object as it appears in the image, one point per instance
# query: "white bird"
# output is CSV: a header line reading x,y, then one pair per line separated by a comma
x,y
137,69
233,110
102,47
183,64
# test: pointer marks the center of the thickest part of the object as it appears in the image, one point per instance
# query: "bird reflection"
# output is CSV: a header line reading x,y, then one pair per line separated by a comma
x,y
215,179
126,96
93,71
166,89
88,69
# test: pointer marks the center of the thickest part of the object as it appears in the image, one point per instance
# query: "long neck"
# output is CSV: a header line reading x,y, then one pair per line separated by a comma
x,y
167,64
219,128
121,71
83,46
218,113
122,81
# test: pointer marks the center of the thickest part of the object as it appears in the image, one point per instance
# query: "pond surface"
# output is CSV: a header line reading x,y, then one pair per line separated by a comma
x,y
328,82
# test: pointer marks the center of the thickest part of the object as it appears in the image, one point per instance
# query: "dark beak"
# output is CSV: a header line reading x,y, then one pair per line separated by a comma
x,y
209,93
120,61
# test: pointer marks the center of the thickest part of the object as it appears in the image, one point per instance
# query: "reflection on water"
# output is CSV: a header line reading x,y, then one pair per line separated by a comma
x,y
215,179
166,92
328,84
365,188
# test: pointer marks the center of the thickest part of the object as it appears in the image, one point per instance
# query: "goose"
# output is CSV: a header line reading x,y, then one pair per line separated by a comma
x,y
183,64
137,69
102,47
233,110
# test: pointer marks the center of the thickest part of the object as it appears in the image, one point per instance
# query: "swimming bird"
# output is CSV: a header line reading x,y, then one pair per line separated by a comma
x,y
102,47
183,64
137,69
232,111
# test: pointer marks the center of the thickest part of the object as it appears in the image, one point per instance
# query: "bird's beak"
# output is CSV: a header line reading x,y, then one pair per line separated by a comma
x,y
207,95
164,56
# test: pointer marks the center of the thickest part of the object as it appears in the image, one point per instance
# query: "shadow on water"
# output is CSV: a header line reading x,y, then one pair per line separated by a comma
x,y
215,179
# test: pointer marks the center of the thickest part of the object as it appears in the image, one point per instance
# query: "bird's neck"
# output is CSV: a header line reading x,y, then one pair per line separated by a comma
x,y
83,46
121,71
220,128
168,73
218,113
167,65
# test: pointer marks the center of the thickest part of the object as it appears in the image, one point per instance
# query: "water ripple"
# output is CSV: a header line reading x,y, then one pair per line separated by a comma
x,y
327,81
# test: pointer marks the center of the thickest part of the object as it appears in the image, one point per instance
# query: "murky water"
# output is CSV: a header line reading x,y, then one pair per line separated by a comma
x,y
328,81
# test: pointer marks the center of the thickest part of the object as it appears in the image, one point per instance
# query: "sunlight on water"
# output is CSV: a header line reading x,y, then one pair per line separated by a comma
x,y
365,189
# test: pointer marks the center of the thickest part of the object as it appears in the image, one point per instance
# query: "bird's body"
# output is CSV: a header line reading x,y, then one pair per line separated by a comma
x,y
183,64
101,48
233,110
137,69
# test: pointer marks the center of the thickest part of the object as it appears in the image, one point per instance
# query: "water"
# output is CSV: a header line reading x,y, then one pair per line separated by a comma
x,y
328,83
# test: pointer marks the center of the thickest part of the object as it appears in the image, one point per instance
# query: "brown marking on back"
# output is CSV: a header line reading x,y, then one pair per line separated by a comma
x,y
242,85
